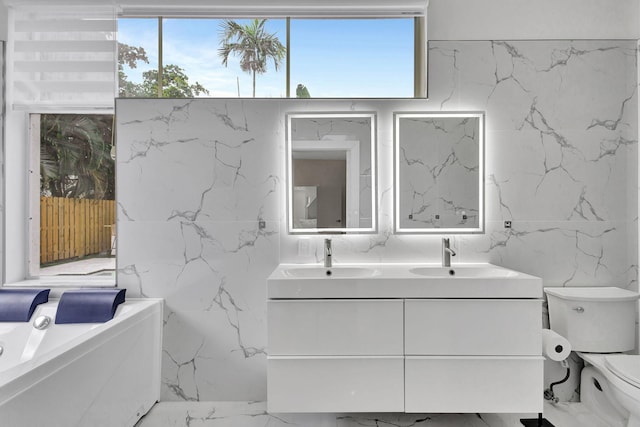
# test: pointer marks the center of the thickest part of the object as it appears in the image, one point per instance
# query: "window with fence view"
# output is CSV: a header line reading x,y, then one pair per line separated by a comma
x,y
77,194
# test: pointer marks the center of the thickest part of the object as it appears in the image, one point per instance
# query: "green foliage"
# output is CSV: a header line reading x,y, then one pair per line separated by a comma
x,y
253,44
302,91
75,156
175,84
130,56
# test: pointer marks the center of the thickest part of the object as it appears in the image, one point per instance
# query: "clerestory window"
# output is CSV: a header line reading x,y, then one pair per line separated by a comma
x,y
317,58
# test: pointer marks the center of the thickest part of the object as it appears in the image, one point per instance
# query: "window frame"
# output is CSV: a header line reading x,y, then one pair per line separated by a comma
x,y
420,46
31,202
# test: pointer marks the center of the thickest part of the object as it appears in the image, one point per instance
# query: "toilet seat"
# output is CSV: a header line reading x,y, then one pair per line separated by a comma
x,y
624,366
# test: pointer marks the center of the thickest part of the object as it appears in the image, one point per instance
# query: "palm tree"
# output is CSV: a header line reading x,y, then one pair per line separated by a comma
x,y
75,156
253,44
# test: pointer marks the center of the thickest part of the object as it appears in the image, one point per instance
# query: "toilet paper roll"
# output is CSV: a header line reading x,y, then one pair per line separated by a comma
x,y
555,346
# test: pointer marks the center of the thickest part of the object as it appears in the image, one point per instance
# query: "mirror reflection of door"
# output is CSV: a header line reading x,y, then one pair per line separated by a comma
x,y
328,176
331,209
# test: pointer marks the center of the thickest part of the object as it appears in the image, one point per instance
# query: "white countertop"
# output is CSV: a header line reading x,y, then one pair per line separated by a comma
x,y
302,281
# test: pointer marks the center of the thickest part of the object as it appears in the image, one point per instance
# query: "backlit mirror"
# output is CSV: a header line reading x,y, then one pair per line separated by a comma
x,y
439,172
331,172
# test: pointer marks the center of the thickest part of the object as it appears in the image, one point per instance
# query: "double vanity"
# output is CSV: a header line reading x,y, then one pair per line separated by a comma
x,y
404,338
397,337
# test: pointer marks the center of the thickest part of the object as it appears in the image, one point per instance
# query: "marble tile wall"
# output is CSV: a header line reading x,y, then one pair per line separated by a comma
x,y
196,177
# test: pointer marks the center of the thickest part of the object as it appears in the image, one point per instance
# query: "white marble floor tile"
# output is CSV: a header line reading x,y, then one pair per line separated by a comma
x,y
254,414
573,415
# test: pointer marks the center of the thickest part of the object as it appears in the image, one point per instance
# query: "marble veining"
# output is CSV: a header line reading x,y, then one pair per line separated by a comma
x,y
201,188
254,414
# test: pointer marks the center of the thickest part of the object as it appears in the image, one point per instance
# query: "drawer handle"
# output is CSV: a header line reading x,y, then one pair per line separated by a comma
x,y
579,310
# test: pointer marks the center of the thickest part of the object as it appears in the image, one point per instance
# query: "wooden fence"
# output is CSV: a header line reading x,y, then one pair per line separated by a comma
x,y
73,228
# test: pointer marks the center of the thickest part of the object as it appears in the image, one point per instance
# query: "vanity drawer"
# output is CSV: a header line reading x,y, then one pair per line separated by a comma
x,y
335,384
473,327
335,327
474,384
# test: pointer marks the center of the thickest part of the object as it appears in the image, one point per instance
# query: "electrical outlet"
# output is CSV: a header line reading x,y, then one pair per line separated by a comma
x,y
507,224
262,224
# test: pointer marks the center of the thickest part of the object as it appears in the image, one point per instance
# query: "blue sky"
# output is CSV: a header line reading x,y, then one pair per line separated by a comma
x,y
333,58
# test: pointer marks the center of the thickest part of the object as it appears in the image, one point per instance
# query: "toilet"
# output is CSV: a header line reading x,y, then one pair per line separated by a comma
x,y
600,325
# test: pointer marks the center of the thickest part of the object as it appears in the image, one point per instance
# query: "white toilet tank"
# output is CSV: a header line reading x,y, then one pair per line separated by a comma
x,y
594,319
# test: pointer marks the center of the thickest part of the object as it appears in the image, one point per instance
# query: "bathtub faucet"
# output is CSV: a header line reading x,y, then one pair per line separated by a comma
x,y
42,322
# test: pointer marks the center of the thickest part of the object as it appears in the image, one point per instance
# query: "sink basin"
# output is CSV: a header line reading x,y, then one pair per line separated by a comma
x,y
464,272
328,272
386,280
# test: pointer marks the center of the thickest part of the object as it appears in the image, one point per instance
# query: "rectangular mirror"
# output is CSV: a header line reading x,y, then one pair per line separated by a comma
x,y
439,172
331,172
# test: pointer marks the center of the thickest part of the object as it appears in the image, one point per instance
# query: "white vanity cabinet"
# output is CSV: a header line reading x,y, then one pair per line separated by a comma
x,y
473,355
393,341
335,356
404,355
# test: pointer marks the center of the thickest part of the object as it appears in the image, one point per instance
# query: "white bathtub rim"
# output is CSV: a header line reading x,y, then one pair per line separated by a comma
x,y
47,364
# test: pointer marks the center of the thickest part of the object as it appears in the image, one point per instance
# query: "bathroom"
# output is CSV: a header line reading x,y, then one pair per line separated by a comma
x,y
558,86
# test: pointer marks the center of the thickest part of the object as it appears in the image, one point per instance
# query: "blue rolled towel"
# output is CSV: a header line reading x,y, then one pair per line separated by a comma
x,y
89,305
17,305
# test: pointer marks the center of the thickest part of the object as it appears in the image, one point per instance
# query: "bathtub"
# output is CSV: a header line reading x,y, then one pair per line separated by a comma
x,y
105,374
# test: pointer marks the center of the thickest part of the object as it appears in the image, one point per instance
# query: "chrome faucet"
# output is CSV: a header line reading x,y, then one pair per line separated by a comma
x,y
447,252
327,253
